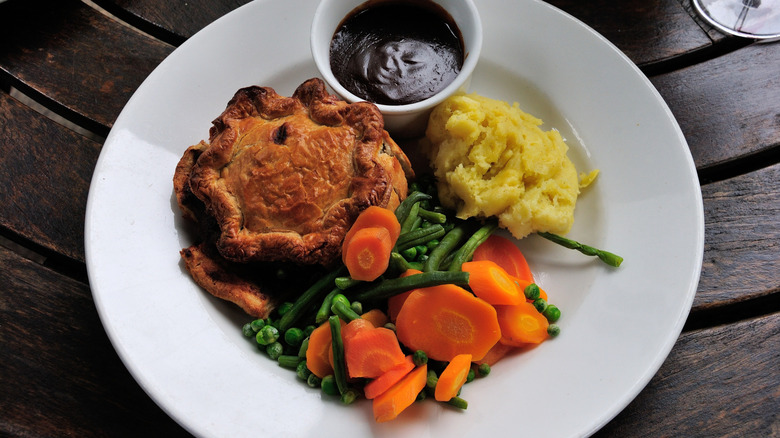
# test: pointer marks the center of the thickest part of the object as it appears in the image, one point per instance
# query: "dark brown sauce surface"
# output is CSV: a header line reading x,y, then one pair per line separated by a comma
x,y
396,52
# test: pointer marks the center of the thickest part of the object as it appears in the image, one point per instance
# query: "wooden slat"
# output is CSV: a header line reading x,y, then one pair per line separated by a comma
x,y
63,377
76,57
635,29
46,171
171,21
742,239
718,382
727,107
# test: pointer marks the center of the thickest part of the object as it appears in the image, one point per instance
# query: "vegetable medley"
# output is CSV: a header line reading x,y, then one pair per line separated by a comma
x,y
421,304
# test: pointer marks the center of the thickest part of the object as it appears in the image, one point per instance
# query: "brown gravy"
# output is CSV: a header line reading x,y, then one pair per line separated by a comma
x,y
396,52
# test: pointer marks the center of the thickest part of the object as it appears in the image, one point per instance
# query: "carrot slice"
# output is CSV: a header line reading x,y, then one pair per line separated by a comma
x,y
376,317
495,354
389,378
370,353
395,302
452,378
506,254
374,217
521,324
355,326
400,396
492,283
319,350
367,254
445,321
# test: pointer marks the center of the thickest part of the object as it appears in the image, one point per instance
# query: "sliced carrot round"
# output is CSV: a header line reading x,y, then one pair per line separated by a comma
x,y
389,378
492,283
452,378
521,324
367,254
506,254
445,321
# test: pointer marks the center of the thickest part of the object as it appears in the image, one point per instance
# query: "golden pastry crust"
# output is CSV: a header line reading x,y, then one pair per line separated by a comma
x,y
285,177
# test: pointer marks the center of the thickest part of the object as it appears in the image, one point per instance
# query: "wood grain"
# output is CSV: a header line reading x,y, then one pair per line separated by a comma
x,y
727,107
46,170
648,32
64,377
742,239
77,61
718,382
171,21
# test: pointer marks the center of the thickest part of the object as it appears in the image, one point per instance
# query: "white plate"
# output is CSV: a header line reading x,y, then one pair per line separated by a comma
x,y
186,349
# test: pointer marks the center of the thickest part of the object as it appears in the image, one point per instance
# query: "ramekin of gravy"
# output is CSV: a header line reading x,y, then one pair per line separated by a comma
x,y
406,56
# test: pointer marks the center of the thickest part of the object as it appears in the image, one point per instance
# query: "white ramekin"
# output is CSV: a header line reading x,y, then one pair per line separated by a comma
x,y
409,120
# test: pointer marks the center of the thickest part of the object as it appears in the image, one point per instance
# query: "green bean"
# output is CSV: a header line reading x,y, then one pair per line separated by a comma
x,y
343,311
304,348
607,257
400,265
402,211
466,252
408,223
445,246
339,365
458,403
289,361
324,311
432,216
394,286
420,236
304,302
344,283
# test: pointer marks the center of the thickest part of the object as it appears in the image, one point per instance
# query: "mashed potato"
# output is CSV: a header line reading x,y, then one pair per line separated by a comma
x,y
492,159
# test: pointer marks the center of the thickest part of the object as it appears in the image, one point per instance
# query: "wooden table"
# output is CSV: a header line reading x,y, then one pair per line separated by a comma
x,y
68,67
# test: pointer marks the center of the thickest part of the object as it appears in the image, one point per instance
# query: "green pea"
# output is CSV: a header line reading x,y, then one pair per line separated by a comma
x,y
421,250
471,376
247,330
349,397
532,292
267,335
553,330
294,336
313,381
302,371
409,253
552,313
483,369
432,243
284,308
540,305
328,385
274,350
257,325
419,358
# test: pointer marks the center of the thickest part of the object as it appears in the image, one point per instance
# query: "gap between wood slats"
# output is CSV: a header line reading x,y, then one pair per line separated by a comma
x,y
741,166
